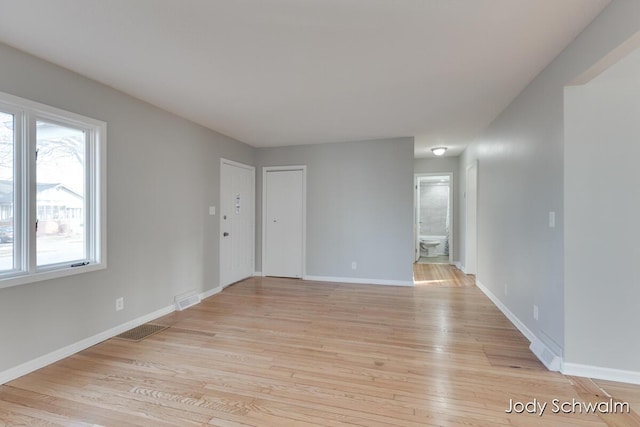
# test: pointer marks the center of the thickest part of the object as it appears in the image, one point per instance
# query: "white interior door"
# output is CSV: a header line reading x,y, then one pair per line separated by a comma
x,y
237,221
283,222
471,230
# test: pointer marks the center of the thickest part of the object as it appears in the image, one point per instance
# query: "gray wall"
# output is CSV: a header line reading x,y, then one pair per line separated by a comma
x,y
602,216
162,174
521,162
359,206
447,165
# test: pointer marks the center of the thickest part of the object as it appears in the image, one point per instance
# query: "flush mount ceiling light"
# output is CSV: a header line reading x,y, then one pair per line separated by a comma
x,y
439,151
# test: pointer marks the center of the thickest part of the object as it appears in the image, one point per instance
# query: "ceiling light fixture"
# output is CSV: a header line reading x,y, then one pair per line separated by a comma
x,y
439,151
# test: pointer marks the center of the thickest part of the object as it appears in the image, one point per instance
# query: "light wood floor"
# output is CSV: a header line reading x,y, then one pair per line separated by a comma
x,y
279,352
443,275
440,259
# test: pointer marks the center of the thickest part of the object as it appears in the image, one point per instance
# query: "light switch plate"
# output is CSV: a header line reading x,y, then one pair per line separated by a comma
x,y
212,210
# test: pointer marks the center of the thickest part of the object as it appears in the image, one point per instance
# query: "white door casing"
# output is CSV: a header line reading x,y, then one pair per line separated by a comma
x,y
237,221
417,208
416,218
284,221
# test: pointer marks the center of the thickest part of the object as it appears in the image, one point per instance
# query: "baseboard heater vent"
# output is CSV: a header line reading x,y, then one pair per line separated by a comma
x,y
141,332
186,302
546,356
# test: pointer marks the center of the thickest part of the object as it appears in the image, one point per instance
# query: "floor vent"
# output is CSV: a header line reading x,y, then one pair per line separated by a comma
x,y
141,332
186,302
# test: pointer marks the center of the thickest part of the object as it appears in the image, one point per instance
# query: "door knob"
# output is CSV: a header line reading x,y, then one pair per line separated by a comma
x,y
225,234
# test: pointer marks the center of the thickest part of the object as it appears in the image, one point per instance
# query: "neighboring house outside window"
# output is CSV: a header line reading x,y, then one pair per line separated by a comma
x,y
52,192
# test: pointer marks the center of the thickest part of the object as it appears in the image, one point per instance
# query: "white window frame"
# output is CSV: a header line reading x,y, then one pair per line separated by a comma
x,y
27,113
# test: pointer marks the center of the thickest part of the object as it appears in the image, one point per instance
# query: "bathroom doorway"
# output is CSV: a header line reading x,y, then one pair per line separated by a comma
x,y
433,218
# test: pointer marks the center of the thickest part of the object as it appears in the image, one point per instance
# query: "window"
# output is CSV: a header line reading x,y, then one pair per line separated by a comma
x,y
52,192
60,192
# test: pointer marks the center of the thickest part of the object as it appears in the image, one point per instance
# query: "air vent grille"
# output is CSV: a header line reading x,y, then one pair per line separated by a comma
x,y
141,332
187,302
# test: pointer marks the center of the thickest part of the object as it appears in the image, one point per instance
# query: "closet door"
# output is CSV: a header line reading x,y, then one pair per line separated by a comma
x,y
283,231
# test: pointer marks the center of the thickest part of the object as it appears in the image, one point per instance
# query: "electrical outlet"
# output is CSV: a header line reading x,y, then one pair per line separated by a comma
x,y
506,289
552,219
119,303
354,265
212,210
535,312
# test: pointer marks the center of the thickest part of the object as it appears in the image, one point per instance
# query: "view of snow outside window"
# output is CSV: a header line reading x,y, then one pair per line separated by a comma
x,y
60,193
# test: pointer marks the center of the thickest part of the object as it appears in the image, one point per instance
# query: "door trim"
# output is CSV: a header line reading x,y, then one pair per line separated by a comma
x,y
416,201
266,169
224,161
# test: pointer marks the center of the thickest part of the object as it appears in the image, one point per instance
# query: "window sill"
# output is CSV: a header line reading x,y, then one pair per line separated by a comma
x,y
25,278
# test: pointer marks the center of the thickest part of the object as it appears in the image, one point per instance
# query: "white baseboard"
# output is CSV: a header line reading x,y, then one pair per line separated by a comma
x,y
210,292
358,280
552,361
257,273
503,308
54,356
579,370
459,266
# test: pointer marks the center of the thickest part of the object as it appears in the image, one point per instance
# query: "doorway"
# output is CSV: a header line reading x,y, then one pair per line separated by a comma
x,y
284,221
237,221
434,218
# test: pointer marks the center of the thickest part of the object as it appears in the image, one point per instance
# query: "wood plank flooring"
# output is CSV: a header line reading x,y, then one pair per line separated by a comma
x,y
443,275
280,352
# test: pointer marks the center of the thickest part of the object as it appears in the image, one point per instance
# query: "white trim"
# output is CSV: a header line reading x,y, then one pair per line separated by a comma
x,y
459,266
551,360
358,280
416,198
54,356
210,292
416,219
554,362
237,281
27,113
503,308
236,164
266,169
543,352
257,274
49,275
70,350
619,375
252,169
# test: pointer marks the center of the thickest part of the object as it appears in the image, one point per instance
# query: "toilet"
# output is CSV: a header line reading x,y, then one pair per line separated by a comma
x,y
429,246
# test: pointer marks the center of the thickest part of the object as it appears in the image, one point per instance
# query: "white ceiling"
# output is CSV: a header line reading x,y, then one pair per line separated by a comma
x,y
288,72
